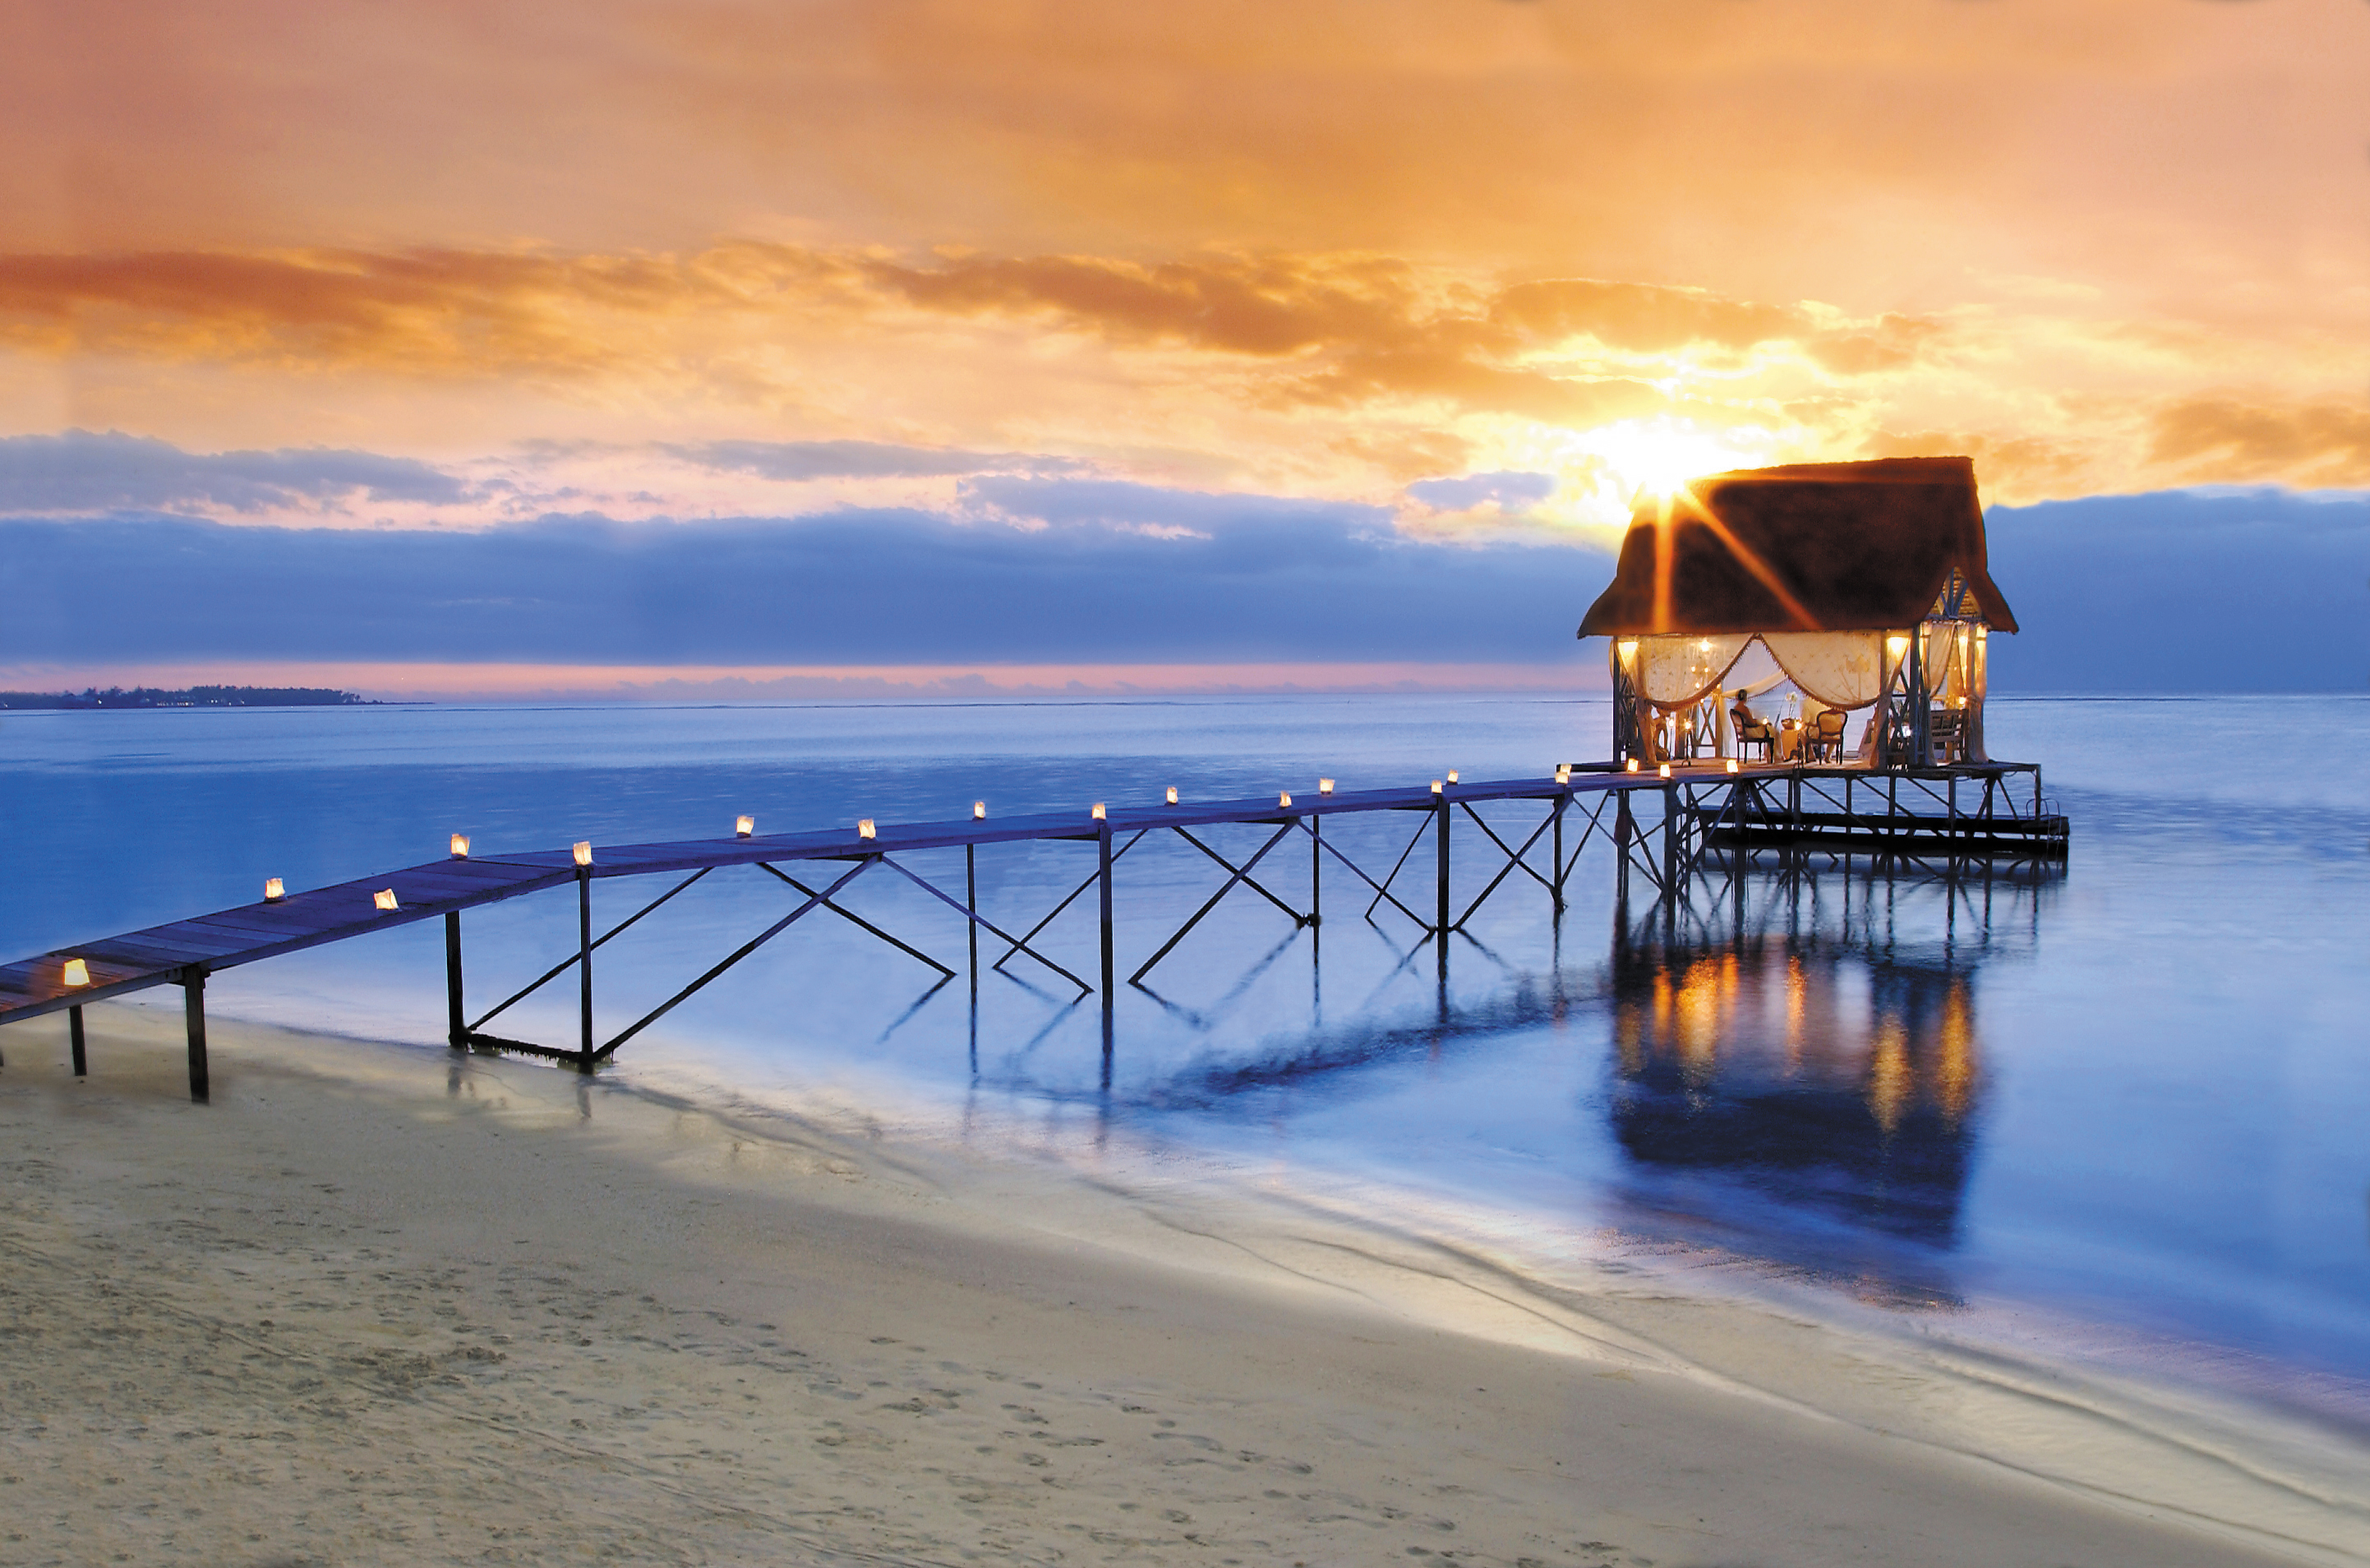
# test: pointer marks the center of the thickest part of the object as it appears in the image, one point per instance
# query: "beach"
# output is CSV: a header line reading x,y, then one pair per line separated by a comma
x,y
382,1304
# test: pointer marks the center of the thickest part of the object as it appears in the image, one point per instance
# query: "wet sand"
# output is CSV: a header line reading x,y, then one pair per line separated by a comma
x,y
375,1304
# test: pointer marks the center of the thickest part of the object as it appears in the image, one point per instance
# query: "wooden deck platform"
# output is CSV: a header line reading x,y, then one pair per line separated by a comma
x,y
1703,805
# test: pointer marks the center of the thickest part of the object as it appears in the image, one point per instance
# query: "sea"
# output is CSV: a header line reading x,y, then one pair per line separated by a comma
x,y
2122,1105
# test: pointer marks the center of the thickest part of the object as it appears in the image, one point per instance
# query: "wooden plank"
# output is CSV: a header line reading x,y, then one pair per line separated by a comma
x,y
199,938
145,954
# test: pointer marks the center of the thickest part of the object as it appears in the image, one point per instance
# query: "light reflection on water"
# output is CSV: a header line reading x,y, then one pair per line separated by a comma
x,y
2133,1093
1808,1067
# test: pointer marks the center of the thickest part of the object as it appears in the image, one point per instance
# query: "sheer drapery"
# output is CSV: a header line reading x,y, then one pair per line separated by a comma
x,y
1953,655
1679,672
1840,669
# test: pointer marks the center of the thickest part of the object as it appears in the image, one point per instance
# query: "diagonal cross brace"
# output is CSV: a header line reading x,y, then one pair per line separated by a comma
x,y
1514,860
1380,894
1587,832
1382,889
1032,934
858,920
1280,835
976,918
565,964
744,950
1250,881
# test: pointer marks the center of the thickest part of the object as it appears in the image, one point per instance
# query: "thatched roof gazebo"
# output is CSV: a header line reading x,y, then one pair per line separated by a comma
x,y
1865,584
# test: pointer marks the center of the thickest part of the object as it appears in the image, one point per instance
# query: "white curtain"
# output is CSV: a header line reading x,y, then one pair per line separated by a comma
x,y
1677,672
1838,669
1844,670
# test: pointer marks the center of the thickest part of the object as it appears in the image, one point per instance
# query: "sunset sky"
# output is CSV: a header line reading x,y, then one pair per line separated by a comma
x,y
1276,307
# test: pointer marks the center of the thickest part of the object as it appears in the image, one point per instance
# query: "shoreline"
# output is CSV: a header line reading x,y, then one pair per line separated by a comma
x,y
378,1303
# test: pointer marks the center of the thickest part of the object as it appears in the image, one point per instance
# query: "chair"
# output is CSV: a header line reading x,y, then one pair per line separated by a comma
x,y
1947,729
1826,737
1751,732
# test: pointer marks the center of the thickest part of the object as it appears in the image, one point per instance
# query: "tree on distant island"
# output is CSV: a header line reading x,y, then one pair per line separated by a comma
x,y
187,697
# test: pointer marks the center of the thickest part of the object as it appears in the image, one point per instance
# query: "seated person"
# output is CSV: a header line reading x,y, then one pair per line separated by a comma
x,y
1751,729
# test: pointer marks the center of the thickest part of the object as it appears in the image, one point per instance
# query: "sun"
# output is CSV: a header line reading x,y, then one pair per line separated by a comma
x,y
1657,456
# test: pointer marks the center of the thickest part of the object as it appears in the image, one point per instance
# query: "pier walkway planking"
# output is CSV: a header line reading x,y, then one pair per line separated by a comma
x,y
185,952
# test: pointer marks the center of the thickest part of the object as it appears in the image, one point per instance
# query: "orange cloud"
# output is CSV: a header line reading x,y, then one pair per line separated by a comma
x,y
2229,439
431,312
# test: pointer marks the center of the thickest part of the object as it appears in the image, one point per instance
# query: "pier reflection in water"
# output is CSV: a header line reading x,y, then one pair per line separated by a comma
x,y
1798,1072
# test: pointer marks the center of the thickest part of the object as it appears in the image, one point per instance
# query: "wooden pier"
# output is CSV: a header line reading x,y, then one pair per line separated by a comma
x,y
1663,827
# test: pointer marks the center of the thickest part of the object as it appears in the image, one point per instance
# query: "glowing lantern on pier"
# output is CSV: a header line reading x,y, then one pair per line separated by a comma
x,y
273,892
76,973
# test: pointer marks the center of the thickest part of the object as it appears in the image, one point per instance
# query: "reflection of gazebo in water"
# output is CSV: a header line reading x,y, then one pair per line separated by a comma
x,y
1862,585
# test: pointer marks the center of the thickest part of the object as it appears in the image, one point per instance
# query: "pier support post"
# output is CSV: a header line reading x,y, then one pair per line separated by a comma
x,y
193,1013
1556,891
1441,845
971,927
1103,846
1316,869
584,968
456,1021
1625,829
75,1041
1670,841
971,907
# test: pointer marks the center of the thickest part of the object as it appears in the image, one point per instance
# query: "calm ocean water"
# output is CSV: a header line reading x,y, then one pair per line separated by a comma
x,y
2130,1098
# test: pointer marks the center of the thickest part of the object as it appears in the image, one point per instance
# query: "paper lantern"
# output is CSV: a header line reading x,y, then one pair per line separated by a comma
x,y
1098,811
583,853
864,829
1284,797
1325,786
460,847
1665,770
1172,794
979,811
272,892
383,898
77,972
743,826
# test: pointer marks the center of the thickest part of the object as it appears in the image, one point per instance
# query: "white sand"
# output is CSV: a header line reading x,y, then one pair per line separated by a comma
x,y
376,1304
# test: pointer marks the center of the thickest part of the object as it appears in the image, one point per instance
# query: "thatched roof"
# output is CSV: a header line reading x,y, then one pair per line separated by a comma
x,y
1814,547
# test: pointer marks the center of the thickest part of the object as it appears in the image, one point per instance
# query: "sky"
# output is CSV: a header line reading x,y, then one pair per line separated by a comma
x,y
771,347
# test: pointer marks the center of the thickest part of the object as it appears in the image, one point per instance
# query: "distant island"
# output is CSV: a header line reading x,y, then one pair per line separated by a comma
x,y
188,696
